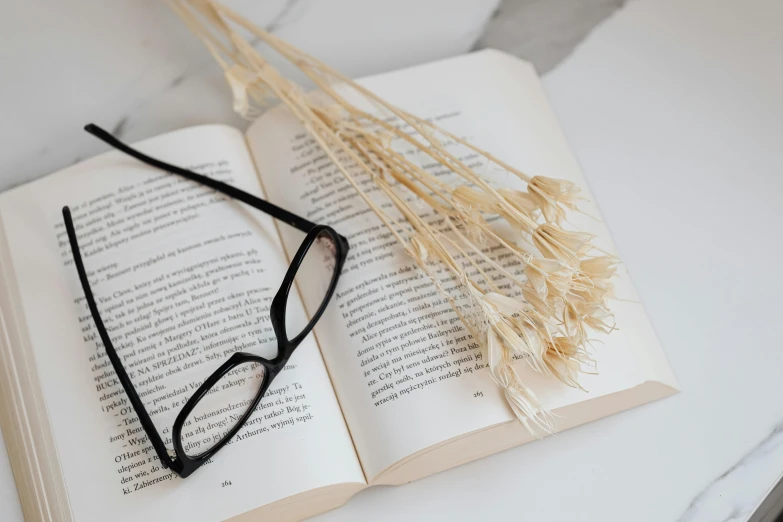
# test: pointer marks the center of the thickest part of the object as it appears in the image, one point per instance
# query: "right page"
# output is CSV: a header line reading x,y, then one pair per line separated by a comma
x,y
407,374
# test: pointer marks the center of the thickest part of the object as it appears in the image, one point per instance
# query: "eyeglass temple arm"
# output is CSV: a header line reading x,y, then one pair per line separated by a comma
x,y
130,390
255,202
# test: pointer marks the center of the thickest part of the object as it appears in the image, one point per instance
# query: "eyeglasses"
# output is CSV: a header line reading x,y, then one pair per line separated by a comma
x,y
220,392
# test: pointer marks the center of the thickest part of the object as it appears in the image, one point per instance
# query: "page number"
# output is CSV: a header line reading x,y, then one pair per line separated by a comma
x,y
225,483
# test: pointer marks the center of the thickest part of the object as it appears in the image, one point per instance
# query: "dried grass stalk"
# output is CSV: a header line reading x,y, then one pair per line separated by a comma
x,y
560,294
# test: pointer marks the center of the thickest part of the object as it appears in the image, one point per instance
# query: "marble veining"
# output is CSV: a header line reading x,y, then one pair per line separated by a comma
x,y
544,32
287,11
719,501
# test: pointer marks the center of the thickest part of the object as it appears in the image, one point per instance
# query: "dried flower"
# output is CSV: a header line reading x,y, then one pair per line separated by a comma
x,y
522,400
549,277
522,201
552,195
565,360
566,246
601,267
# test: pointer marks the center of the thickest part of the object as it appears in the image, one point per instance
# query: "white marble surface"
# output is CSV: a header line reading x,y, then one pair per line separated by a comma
x,y
674,109
132,66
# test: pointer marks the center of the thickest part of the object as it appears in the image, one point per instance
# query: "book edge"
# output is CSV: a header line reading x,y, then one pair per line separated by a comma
x,y
500,437
29,453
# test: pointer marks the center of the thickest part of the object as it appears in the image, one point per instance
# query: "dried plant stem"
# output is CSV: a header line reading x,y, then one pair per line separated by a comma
x,y
558,290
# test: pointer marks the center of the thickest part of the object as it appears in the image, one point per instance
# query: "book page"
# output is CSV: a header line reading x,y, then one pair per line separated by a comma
x,y
183,277
407,373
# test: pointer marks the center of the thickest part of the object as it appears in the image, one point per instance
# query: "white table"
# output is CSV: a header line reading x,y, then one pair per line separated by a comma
x,y
674,109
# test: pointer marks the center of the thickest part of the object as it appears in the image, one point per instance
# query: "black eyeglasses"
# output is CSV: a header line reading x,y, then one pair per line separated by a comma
x,y
323,245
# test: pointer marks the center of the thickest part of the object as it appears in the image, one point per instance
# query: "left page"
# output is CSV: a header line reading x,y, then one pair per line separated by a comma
x,y
183,278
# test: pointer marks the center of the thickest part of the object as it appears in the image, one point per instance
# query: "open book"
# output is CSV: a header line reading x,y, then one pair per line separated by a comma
x,y
390,387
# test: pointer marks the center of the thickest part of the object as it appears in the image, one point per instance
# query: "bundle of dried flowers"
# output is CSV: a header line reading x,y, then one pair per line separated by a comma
x,y
558,292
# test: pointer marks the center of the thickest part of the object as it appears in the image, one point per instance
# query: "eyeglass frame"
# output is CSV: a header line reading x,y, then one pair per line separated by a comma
x,y
181,463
